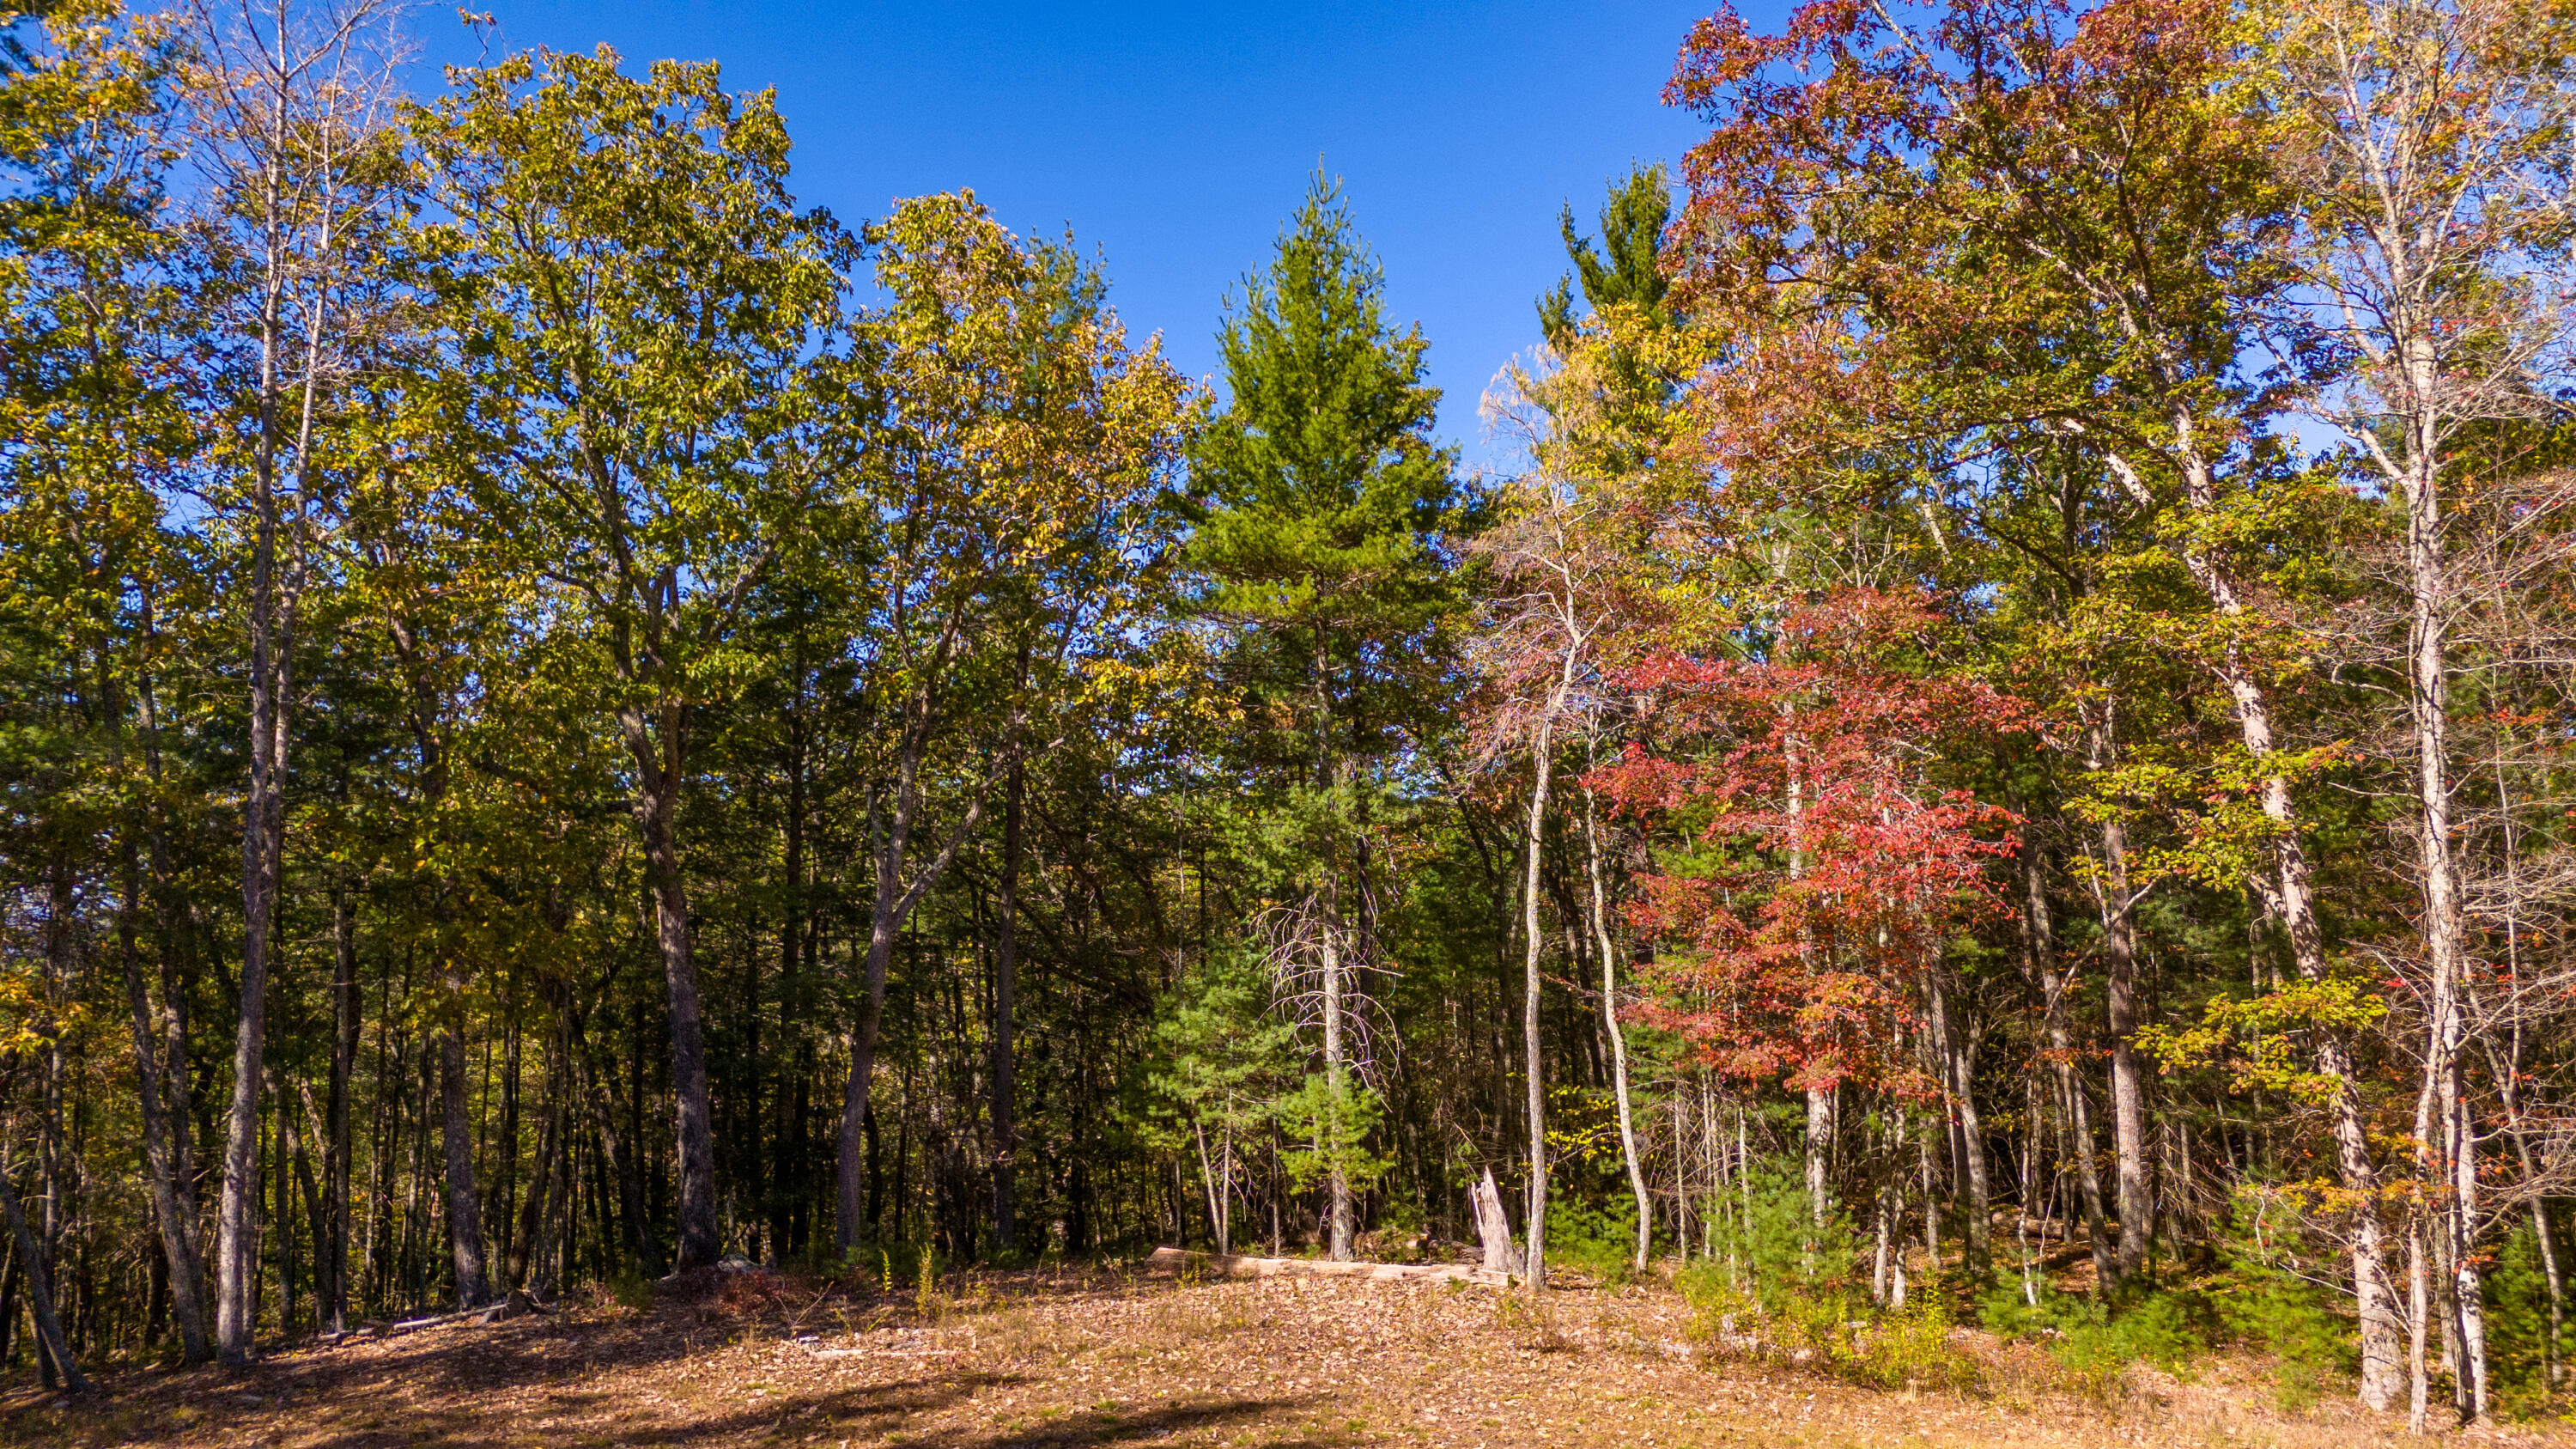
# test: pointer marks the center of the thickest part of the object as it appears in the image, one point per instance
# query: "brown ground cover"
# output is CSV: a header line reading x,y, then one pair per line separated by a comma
x,y
1104,1358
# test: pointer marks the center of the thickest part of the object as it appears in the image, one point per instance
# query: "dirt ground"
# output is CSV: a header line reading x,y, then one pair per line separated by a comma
x,y
1104,1358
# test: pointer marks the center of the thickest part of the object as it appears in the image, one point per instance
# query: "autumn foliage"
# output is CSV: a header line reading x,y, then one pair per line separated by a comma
x,y
1824,865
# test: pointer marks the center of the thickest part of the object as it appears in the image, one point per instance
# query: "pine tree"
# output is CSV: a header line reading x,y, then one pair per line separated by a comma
x,y
1321,510
1632,234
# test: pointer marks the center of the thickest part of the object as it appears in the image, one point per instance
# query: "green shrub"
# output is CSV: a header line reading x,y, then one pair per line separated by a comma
x,y
1600,1243
1831,1331
2286,1317
2011,1317
2268,1304
890,1266
631,1288
1718,1302
2094,1341
1783,1250
2098,1345
1910,1348
1401,1218
2517,1304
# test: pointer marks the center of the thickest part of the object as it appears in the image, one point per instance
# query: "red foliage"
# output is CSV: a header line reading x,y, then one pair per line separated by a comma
x,y
1813,872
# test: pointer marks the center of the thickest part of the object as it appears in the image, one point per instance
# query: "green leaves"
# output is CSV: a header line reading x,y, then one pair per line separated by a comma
x,y
631,301
1220,1057
1319,499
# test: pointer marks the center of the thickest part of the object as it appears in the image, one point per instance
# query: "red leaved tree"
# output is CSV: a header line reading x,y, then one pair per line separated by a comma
x,y
1809,869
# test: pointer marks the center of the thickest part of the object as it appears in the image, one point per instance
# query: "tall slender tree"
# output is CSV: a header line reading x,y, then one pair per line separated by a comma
x,y
1323,513
291,103
628,298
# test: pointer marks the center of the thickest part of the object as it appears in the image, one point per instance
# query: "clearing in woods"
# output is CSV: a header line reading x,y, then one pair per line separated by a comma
x,y
1099,1357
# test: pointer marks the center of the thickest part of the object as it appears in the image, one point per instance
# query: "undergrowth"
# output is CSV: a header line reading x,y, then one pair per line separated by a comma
x,y
2263,1300
1787,1288
1598,1242
2093,1341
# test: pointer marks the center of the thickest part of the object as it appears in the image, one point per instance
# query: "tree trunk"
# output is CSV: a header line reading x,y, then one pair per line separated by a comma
x,y
2041,939
892,905
1338,1225
2128,1085
658,766
1820,1153
1534,1217
2445,950
40,1290
1215,1183
1493,1225
345,1026
2288,896
1619,1045
173,1207
882,925
1005,1071
526,1258
622,1165
787,1158
263,842
294,1148
2418,1381
464,1202
1956,1072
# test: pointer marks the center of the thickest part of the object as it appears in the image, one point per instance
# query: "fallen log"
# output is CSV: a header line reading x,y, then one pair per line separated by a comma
x,y
414,1325
1238,1265
517,1303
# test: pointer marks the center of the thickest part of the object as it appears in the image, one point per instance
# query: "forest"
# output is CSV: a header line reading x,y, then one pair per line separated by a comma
x,y
2005,754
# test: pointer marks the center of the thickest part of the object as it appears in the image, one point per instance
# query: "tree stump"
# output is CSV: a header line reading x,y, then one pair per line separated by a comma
x,y
1494,1227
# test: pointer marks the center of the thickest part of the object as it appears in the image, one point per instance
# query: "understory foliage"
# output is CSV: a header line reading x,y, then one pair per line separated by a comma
x,y
1999,759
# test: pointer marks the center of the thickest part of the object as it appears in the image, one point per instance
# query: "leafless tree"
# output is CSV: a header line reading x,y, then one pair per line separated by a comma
x,y
290,104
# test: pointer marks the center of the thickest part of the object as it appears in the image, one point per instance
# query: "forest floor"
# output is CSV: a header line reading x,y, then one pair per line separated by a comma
x,y
1107,1358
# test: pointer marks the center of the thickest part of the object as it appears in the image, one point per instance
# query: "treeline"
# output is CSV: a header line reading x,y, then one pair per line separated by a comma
x,y
568,717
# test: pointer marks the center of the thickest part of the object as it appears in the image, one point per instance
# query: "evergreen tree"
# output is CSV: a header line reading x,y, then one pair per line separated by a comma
x,y
1632,235
1322,509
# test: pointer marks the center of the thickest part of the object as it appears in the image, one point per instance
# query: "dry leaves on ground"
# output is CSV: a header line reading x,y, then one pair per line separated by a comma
x,y
1068,1358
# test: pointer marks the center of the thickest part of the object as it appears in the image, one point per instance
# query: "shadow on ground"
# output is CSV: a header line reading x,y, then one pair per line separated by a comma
x,y
537,1380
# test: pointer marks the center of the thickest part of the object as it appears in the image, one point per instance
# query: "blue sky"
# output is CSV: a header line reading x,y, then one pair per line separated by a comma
x,y
1174,138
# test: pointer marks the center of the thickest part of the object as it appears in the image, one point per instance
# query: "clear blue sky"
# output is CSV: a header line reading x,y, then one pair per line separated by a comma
x,y
1173,138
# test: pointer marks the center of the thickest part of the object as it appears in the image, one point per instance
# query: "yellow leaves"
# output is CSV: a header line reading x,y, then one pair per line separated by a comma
x,y
2269,1035
28,1020
1028,440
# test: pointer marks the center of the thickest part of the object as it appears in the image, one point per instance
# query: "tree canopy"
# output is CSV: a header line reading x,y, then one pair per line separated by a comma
x,y
1999,753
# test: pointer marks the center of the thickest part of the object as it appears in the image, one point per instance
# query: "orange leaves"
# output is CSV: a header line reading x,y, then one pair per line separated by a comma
x,y
1813,867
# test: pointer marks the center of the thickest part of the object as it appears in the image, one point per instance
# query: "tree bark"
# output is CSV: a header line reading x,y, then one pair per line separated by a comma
x,y
336,1155
2445,948
2287,894
263,842
40,1290
892,905
1619,1045
525,1258
1005,1070
1493,1225
1534,1216
464,1201
1956,1072
1339,1229
621,1162
2040,937
786,1167
656,807
173,1206
1819,1143
2120,957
